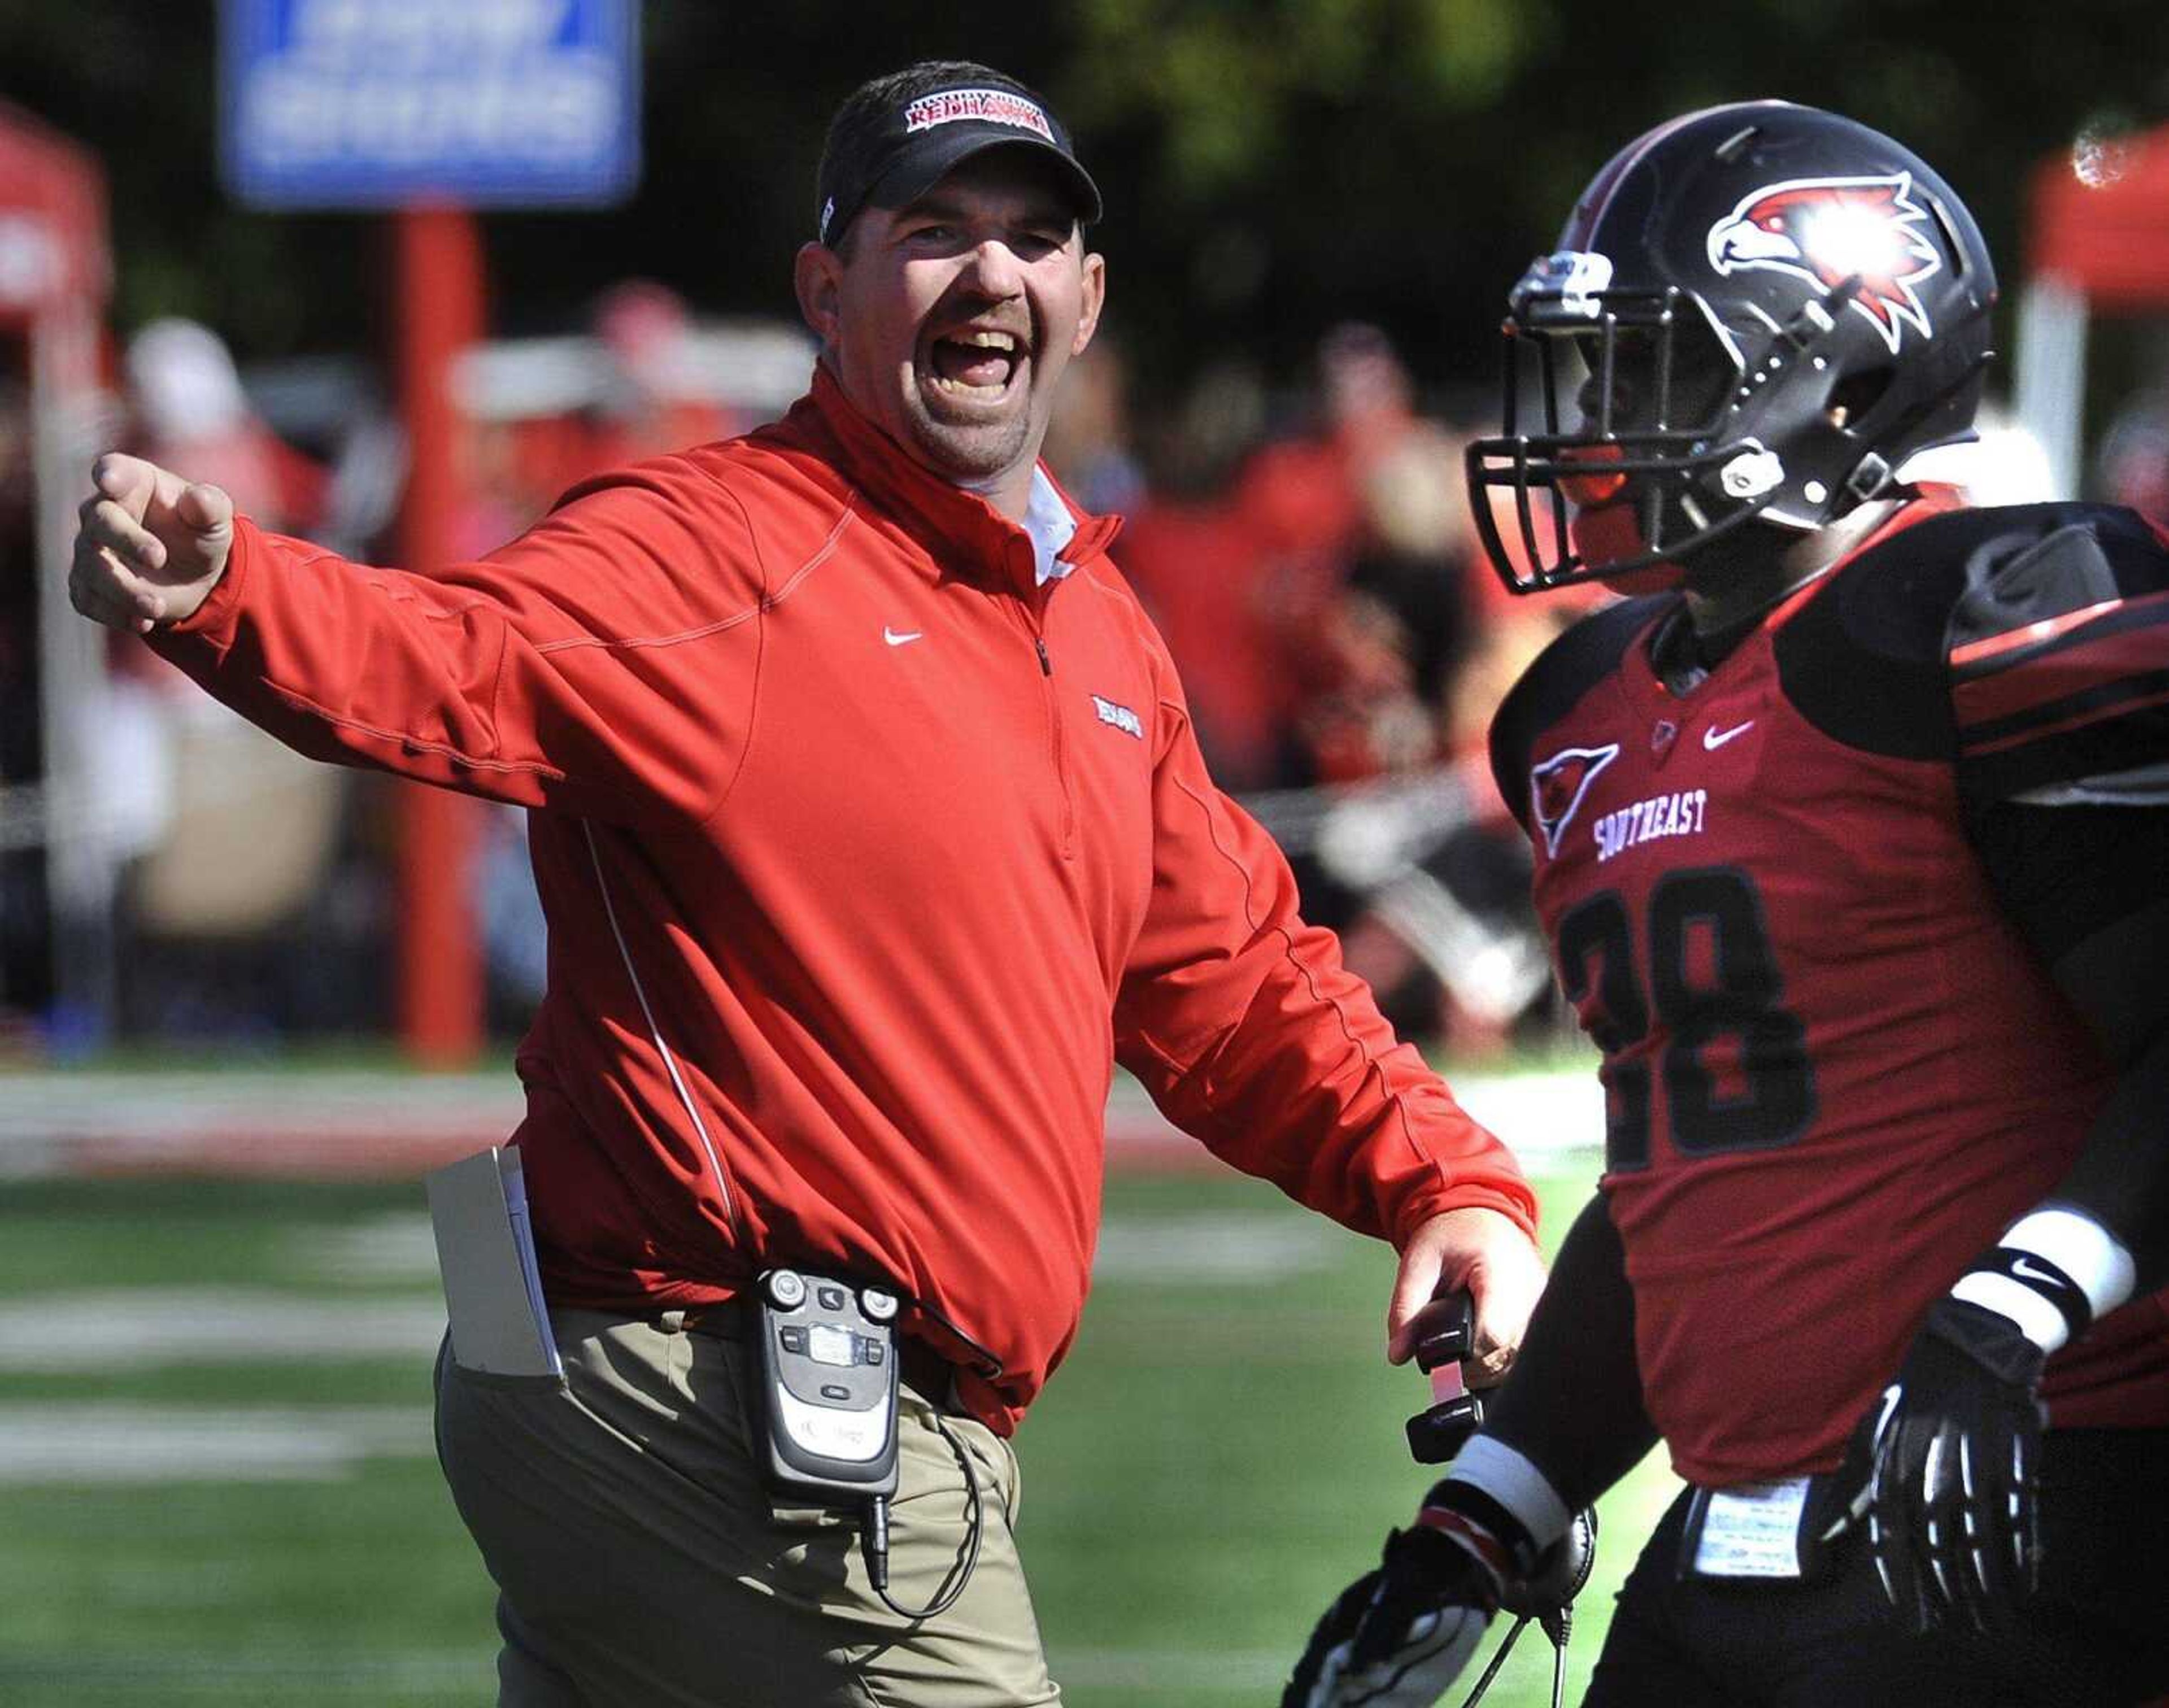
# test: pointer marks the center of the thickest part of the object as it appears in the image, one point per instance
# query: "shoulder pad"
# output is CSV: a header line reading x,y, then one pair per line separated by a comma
x,y
1862,659
1867,660
2065,558
2058,658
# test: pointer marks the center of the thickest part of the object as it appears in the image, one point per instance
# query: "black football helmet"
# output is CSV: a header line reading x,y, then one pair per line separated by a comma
x,y
1757,313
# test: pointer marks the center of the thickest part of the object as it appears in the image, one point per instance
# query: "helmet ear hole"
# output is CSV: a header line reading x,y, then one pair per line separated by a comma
x,y
1854,397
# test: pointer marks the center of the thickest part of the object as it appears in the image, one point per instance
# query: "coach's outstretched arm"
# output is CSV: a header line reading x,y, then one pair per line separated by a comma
x,y
605,663
151,546
1567,1425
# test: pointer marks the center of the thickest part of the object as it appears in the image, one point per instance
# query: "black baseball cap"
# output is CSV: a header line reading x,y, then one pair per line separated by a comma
x,y
899,135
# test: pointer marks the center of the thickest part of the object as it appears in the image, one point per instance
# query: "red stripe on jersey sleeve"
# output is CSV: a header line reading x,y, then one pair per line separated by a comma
x,y
2046,629
2076,666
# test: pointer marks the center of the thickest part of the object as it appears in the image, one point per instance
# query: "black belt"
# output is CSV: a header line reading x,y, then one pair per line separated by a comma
x,y
924,1371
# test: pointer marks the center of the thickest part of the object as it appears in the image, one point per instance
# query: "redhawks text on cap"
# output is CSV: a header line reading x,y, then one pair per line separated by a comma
x,y
994,106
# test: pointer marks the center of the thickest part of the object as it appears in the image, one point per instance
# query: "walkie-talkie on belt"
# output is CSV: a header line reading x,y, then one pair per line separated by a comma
x,y
829,1374
830,1367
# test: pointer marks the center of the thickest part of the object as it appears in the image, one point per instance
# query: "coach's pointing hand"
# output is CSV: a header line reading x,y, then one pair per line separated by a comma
x,y
151,546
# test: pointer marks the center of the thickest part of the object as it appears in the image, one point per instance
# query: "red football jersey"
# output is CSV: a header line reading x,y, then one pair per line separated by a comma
x,y
1835,1069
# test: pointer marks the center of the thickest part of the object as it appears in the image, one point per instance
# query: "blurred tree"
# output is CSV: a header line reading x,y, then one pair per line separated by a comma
x,y
1271,166
1294,162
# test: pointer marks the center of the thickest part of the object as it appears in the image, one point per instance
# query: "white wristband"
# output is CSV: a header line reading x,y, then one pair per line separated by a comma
x,y
1510,1479
2037,1320
2094,1259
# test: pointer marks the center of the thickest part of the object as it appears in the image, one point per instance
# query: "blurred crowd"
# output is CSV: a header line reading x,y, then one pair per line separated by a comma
x,y
1342,643
256,899
1306,550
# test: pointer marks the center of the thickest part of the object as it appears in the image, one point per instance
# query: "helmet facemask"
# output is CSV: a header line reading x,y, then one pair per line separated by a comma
x,y
1633,449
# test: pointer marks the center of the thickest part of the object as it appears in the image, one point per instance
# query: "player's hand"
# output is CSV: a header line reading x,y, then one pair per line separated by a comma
x,y
1398,1636
149,547
1952,1448
1484,1252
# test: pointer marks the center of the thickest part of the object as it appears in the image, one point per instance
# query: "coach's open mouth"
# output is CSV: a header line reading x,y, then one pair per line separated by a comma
x,y
975,366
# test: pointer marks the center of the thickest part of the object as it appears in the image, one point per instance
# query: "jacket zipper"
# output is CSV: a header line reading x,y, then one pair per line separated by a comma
x,y
1059,744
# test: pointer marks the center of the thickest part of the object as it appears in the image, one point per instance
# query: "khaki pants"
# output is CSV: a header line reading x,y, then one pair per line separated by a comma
x,y
641,1563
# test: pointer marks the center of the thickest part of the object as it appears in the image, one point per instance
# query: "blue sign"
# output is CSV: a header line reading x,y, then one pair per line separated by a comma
x,y
375,103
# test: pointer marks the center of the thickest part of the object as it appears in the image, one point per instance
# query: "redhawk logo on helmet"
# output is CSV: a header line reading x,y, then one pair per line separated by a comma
x,y
1828,230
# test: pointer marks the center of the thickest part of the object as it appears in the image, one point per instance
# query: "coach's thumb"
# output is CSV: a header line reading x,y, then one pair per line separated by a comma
x,y
208,510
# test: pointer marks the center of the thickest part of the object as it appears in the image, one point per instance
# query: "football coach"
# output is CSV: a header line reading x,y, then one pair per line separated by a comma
x,y
872,833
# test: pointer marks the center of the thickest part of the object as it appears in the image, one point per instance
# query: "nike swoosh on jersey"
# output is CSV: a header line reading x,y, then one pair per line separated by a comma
x,y
898,639
1714,739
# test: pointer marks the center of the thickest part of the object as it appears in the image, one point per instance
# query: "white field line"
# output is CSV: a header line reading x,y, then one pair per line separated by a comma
x,y
144,1327
1230,1245
163,1676
1226,1245
356,1123
245,1122
399,1247
1249,1675
114,1443
137,1328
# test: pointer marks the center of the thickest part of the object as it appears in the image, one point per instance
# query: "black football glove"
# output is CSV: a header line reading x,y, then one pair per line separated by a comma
x,y
1398,1636
1952,1448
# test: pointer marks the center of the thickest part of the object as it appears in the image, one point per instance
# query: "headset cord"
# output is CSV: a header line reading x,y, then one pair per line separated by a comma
x,y
1498,1660
876,1540
1559,1627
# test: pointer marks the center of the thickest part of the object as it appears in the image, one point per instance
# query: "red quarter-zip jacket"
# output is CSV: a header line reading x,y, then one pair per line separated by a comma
x,y
864,860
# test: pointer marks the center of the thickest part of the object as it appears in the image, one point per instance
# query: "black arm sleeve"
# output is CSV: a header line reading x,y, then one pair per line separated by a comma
x,y
2057,654
2084,883
2121,1179
1573,1405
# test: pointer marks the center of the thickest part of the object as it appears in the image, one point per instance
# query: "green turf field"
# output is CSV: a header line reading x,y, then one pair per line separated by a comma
x,y
216,1479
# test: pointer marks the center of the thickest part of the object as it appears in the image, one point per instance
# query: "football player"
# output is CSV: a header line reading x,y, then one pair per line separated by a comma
x,y
1849,829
